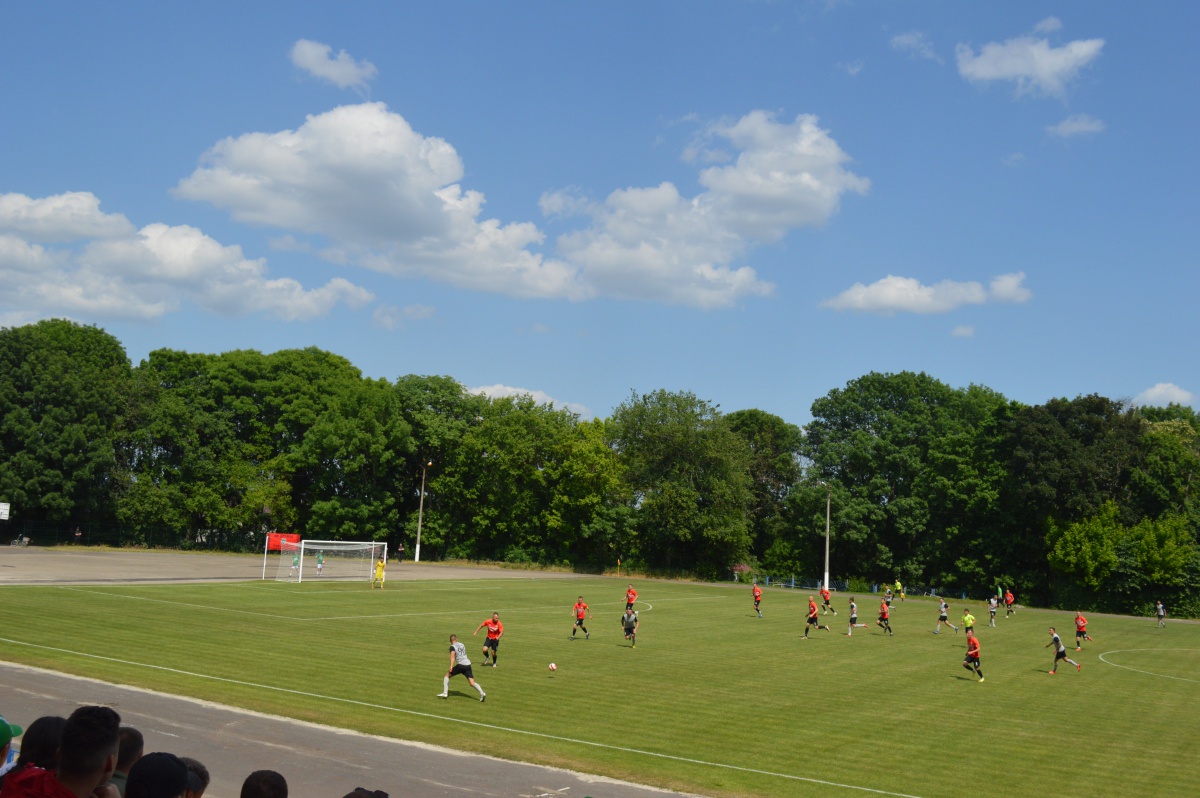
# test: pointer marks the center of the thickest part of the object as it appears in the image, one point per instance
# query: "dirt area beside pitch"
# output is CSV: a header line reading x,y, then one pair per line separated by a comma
x,y
101,566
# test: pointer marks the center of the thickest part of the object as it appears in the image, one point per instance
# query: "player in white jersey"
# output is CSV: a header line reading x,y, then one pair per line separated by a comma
x,y
944,618
1060,652
459,663
854,618
993,605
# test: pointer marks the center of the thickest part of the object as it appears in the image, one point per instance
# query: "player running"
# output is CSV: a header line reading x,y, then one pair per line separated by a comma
x,y
944,618
968,620
812,618
491,643
826,608
459,663
1161,612
972,660
379,566
756,591
887,597
900,590
993,605
581,613
884,612
854,624
630,597
1081,631
630,623
1009,601
1060,652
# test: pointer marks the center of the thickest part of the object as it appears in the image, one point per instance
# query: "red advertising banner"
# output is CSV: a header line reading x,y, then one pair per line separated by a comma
x,y
275,538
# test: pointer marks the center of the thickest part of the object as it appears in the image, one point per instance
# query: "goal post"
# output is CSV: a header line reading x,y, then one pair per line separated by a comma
x,y
328,559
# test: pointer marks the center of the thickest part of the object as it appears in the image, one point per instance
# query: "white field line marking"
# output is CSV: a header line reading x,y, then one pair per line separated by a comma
x,y
1148,673
543,735
555,608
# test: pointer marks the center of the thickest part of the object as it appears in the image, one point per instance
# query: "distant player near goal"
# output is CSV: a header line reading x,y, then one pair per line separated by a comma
x,y
320,562
295,565
378,578
756,591
460,663
491,644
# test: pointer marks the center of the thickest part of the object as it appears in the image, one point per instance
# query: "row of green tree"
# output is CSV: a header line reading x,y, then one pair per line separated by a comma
x,y
1086,502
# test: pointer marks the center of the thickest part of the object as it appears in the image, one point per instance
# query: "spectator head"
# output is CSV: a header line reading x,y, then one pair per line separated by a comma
x,y
89,745
39,746
264,784
201,773
160,775
7,733
130,751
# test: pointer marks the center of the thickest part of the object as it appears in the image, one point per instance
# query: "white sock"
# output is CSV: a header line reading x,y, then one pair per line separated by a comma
x,y
479,688
445,684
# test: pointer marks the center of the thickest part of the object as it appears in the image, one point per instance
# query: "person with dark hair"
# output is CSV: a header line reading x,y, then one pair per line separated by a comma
x,y
129,752
264,784
87,757
39,745
160,775
459,663
7,733
201,773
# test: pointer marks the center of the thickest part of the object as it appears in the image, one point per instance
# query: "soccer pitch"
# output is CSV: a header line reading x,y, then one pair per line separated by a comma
x,y
713,700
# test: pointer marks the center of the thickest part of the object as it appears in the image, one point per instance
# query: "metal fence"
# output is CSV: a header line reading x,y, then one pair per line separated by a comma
x,y
54,533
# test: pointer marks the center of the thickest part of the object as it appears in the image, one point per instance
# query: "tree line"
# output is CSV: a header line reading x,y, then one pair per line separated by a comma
x,y
1085,502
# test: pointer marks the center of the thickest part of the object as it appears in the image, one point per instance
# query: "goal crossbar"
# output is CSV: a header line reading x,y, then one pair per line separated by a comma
x,y
328,559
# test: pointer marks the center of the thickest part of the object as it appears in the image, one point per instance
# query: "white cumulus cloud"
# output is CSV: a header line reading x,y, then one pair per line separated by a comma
x,y
391,199
963,331
342,70
894,294
1029,61
388,317
917,45
1076,125
540,397
1165,393
112,270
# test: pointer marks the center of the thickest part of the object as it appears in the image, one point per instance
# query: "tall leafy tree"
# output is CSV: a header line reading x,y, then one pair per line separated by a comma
x,y
774,447
63,392
688,475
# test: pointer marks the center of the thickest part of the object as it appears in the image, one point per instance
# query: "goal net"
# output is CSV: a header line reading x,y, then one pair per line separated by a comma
x,y
328,559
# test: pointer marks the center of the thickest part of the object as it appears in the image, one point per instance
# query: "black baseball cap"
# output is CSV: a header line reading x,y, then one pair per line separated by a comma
x,y
160,775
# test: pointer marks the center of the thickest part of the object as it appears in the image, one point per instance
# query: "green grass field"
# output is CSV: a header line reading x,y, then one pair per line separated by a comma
x,y
713,699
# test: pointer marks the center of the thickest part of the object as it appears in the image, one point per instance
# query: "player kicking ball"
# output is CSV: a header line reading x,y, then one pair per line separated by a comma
x,y
1060,652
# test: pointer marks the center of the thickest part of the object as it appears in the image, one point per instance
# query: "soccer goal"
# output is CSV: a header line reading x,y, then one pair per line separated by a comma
x,y
328,559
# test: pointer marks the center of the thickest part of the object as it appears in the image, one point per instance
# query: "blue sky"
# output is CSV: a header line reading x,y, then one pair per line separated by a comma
x,y
753,201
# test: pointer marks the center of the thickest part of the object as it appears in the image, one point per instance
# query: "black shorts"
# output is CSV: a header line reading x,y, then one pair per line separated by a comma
x,y
853,619
628,605
579,621
629,630
826,602
756,601
492,642
1080,633
991,610
943,618
883,619
1060,655
465,670
971,660
812,622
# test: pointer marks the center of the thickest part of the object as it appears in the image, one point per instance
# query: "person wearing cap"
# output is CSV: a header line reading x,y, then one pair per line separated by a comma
x,y
7,733
129,752
87,756
160,775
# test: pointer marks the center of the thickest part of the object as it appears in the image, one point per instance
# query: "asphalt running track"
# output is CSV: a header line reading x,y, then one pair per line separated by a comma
x,y
317,761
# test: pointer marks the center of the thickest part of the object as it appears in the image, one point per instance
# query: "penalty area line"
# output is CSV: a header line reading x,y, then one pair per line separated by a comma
x,y
477,724
1148,673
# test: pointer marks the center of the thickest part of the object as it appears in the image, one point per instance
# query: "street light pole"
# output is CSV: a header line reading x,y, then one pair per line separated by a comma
x,y
421,513
828,501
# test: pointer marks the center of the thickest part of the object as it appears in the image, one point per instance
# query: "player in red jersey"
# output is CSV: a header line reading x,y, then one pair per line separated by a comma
x,y
581,613
756,591
1081,631
812,618
884,612
630,597
972,660
825,608
491,644
1009,600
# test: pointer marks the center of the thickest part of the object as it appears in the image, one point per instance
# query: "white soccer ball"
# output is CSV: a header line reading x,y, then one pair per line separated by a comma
x,y
553,667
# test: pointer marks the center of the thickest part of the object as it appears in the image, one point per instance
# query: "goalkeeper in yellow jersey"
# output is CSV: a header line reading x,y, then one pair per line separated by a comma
x,y
378,579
